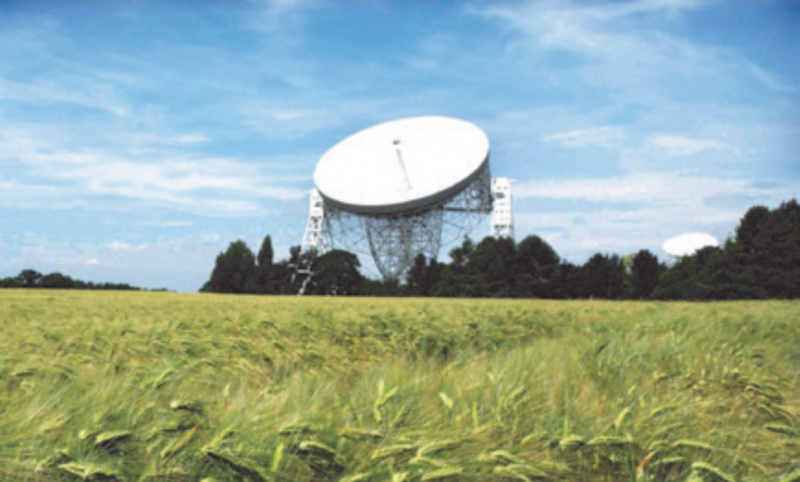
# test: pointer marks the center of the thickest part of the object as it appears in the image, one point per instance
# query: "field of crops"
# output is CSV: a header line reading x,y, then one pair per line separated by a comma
x,y
163,386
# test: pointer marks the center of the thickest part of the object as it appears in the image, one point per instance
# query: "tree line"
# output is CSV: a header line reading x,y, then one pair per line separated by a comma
x,y
761,261
239,270
30,278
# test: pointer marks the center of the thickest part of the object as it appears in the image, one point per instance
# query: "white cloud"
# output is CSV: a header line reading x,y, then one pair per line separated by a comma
x,y
179,140
584,27
86,94
605,136
277,118
169,224
92,262
121,246
768,79
646,188
686,146
630,47
279,121
52,169
280,20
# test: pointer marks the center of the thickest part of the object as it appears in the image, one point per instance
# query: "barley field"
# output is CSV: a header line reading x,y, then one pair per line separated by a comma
x,y
134,386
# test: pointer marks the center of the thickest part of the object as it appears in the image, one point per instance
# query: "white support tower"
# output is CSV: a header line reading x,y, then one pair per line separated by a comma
x,y
502,212
315,237
315,240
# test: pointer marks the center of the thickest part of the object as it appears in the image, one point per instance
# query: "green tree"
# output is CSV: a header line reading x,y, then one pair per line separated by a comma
x,y
777,251
536,266
727,274
456,279
234,271
336,273
616,278
29,278
57,280
645,272
492,267
602,277
682,281
747,233
415,278
567,281
265,272
281,277
433,273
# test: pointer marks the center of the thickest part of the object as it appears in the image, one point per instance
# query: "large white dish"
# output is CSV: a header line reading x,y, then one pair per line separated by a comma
x,y
689,243
402,165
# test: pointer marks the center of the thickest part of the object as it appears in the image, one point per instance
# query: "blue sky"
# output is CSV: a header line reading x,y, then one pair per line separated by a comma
x,y
138,139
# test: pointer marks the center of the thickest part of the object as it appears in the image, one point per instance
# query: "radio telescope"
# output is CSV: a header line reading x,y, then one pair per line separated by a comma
x,y
688,244
404,188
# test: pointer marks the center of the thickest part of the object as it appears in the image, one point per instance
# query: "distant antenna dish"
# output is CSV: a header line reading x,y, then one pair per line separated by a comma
x,y
688,244
397,189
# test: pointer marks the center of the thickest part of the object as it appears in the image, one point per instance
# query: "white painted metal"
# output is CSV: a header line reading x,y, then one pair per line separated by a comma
x,y
688,244
502,211
402,165
315,237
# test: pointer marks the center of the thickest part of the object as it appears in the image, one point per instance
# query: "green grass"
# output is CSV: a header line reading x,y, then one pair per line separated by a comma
x,y
172,387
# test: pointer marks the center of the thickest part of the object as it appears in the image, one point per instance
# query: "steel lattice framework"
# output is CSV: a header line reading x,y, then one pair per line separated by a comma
x,y
394,240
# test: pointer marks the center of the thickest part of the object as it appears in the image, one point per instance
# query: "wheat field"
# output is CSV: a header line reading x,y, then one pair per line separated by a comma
x,y
135,386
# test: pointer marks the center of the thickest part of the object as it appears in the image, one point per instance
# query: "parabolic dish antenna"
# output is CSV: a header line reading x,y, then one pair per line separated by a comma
x,y
401,165
688,244
396,189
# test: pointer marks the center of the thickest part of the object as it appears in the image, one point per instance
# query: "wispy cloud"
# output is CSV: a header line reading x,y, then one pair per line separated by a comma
x,y
42,170
126,247
616,46
87,94
686,146
178,140
281,120
590,29
597,136
280,21
646,188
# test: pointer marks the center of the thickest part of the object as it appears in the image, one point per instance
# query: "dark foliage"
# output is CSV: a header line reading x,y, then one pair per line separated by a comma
x,y
30,278
603,276
234,271
336,273
645,272
265,270
415,277
536,266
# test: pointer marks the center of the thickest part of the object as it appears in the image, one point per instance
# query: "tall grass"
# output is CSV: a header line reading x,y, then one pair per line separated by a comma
x,y
161,386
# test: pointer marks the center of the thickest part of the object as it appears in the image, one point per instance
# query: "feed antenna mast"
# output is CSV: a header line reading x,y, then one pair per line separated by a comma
x,y
404,188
